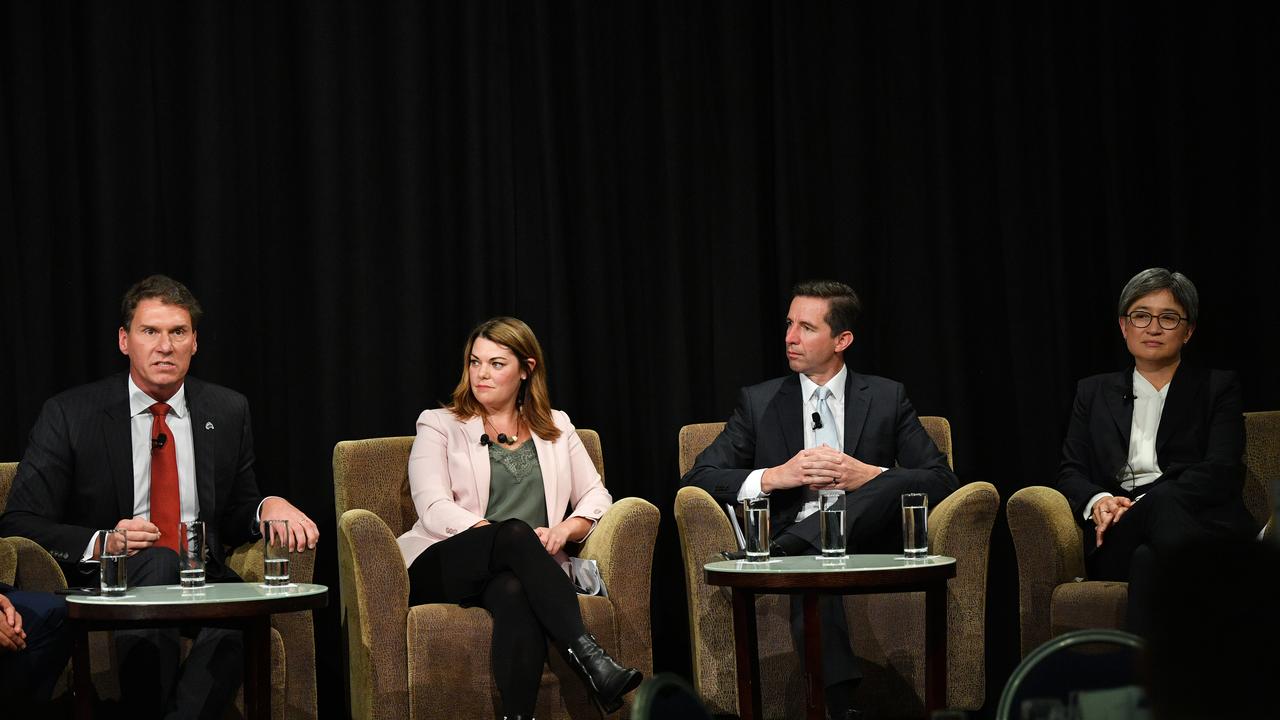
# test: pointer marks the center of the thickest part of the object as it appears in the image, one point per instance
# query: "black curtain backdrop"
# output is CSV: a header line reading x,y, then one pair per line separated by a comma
x,y
350,187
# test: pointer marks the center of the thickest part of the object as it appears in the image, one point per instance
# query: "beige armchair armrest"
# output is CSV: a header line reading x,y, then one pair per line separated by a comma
x,y
1047,542
36,568
960,527
704,532
375,607
8,562
622,544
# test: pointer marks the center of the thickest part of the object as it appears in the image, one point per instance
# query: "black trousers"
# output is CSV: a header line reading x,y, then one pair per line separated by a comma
x,y
503,568
152,682
27,677
1153,532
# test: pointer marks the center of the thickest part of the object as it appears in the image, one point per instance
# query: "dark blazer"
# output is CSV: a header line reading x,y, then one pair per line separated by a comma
x,y
1199,445
880,428
76,476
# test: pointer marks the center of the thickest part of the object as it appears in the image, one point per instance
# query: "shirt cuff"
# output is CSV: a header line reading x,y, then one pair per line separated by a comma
x,y
88,550
751,486
257,514
1088,508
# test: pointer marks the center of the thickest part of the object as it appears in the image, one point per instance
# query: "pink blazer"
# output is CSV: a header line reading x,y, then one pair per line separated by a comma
x,y
449,479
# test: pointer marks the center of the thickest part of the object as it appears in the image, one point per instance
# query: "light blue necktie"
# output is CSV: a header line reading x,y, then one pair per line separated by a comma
x,y
827,434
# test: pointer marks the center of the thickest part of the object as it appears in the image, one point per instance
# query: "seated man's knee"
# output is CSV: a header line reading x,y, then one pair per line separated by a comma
x,y
224,639
153,566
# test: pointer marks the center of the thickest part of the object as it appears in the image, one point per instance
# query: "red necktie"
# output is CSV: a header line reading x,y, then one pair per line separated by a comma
x,y
166,510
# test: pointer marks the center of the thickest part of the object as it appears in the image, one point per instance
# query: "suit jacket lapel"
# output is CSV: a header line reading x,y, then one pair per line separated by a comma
x,y
118,436
480,470
857,403
1118,397
1179,405
204,441
785,410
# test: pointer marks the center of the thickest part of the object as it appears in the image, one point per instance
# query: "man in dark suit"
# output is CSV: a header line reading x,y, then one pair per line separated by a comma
x,y
772,445
142,452
34,646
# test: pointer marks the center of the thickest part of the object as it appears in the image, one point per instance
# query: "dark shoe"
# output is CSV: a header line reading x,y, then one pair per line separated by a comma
x,y
839,697
605,678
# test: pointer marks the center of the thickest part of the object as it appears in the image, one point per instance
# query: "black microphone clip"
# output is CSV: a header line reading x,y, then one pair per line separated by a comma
x,y
817,421
158,441
484,440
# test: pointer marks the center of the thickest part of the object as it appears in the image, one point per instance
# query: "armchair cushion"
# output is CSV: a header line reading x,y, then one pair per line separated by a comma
x,y
1088,605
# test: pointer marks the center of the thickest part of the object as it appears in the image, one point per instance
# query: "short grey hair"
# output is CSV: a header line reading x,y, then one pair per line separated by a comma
x,y
1157,279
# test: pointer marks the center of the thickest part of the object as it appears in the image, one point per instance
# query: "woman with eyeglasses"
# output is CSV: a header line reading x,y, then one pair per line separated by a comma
x,y
1152,457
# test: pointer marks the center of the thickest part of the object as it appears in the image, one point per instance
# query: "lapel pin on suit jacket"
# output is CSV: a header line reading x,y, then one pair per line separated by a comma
x,y
208,425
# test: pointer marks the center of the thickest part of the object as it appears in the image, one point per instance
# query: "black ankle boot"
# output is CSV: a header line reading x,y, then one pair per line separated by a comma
x,y
605,678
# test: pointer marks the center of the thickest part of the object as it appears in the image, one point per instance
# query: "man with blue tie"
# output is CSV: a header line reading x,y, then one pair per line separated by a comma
x,y
825,427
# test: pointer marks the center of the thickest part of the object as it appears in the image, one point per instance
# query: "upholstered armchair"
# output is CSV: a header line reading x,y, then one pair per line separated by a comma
x,y
1054,594
887,630
293,648
433,661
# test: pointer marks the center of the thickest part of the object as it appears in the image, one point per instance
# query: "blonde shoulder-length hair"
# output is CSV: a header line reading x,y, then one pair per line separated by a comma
x,y
533,402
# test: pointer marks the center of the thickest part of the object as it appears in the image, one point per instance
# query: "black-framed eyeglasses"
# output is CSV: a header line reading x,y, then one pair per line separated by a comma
x,y
1168,321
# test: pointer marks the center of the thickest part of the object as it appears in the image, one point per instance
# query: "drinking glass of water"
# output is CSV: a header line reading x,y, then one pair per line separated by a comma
x,y
831,522
755,512
191,554
915,525
113,551
275,553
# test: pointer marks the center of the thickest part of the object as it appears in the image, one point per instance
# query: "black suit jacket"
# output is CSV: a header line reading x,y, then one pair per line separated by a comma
x,y
76,476
880,428
1199,445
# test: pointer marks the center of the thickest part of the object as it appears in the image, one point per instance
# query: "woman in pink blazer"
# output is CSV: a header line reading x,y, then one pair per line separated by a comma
x,y
502,483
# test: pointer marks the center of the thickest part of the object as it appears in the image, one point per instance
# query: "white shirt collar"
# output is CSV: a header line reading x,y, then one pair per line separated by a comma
x,y
836,383
140,402
1142,388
